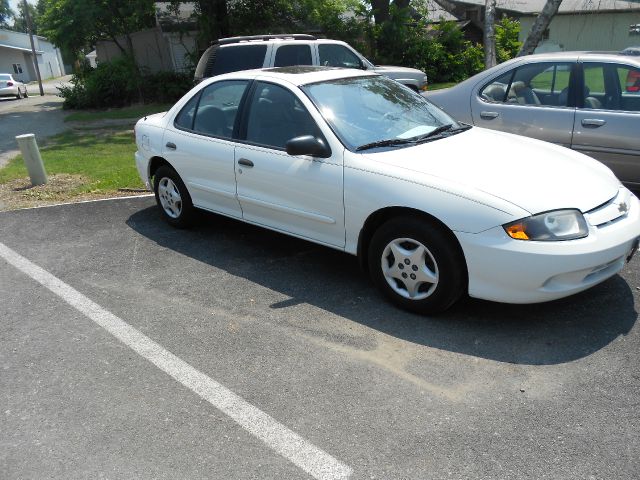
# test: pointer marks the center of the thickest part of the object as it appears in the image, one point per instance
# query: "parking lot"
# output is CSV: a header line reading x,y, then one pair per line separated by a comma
x,y
129,349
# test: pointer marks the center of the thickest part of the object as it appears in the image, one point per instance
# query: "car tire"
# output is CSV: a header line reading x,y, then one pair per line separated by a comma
x,y
19,95
26,94
417,265
173,198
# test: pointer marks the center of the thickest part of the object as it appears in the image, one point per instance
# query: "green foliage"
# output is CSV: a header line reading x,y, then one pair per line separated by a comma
x,y
76,25
5,13
441,51
119,83
507,44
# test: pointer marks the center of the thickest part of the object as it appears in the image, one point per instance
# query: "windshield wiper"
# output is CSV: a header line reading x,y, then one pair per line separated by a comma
x,y
438,130
384,143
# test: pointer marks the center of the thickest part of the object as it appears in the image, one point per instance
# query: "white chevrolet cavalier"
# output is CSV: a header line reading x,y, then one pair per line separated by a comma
x,y
433,208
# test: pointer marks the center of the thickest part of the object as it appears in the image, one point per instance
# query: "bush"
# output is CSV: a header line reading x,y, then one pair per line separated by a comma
x,y
120,83
441,52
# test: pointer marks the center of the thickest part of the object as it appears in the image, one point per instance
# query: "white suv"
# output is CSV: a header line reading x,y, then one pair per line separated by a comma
x,y
265,51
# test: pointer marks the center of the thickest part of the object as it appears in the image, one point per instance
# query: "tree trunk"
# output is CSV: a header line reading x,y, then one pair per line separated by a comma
x,y
539,26
489,33
380,10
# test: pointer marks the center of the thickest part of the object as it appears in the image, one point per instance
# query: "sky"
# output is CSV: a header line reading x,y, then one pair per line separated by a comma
x,y
14,4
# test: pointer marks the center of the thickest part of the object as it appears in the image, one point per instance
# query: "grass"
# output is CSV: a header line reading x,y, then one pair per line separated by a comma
x,y
90,164
439,86
134,112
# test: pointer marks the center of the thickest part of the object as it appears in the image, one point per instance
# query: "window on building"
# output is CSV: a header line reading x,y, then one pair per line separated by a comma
x,y
17,68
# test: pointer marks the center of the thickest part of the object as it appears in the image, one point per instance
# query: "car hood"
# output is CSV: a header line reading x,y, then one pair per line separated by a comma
x,y
398,70
533,175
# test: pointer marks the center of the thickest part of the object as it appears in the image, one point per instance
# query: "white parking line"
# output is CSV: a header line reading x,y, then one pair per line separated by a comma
x,y
287,443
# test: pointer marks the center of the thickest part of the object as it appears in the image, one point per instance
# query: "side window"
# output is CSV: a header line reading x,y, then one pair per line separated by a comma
x,y
595,93
534,84
496,91
218,108
332,55
288,55
184,119
238,57
276,116
551,85
629,79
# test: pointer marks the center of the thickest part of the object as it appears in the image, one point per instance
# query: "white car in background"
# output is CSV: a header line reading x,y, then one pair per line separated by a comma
x,y
10,87
352,160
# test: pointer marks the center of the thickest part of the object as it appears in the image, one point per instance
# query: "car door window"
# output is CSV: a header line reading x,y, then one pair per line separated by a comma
x,y
218,108
332,55
184,119
534,84
276,116
629,79
594,94
288,55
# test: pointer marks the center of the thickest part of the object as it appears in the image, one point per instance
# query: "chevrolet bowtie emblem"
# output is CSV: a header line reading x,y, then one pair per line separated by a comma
x,y
622,208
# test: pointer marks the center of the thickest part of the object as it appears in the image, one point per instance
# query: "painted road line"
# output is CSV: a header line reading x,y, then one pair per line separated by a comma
x,y
287,443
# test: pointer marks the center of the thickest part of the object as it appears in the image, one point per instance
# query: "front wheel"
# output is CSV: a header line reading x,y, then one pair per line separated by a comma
x,y
417,265
173,198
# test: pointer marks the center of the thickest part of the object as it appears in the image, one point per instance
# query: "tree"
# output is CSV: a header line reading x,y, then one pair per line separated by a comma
x,y
5,13
76,25
20,22
539,26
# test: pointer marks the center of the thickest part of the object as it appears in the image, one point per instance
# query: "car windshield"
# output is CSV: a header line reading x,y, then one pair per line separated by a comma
x,y
375,111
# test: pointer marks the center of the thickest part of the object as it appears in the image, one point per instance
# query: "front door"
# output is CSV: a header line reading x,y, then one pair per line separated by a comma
x,y
301,195
531,100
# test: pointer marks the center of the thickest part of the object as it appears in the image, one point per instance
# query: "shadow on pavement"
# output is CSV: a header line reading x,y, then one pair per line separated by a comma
x,y
540,334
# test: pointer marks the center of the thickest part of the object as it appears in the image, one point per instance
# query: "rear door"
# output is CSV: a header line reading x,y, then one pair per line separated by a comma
x,y
607,122
199,145
533,99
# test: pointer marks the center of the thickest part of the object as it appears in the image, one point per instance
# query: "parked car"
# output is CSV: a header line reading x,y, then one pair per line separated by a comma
x,y
355,161
263,51
589,102
631,50
10,87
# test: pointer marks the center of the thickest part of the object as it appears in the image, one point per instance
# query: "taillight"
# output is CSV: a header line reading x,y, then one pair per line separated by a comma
x,y
633,81
9,84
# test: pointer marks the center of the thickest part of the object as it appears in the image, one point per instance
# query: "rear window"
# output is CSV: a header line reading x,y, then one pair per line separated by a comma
x,y
5,77
238,57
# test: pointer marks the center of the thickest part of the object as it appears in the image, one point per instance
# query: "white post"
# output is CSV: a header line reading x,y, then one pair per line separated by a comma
x,y
32,158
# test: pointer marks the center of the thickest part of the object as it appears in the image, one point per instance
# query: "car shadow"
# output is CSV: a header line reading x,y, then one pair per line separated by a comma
x,y
539,334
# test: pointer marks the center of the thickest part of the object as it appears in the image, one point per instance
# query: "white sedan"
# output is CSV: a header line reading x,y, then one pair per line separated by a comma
x,y
10,87
433,208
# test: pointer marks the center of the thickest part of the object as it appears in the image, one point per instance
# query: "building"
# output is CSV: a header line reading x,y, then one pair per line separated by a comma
x,y
169,46
605,25
16,56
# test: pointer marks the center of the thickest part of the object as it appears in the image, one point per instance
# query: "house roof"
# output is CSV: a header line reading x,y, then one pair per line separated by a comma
x,y
28,50
566,7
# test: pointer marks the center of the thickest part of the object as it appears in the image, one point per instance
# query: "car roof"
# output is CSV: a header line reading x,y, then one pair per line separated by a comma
x,y
573,55
297,75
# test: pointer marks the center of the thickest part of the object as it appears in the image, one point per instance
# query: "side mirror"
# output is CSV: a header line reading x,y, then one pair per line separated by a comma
x,y
308,145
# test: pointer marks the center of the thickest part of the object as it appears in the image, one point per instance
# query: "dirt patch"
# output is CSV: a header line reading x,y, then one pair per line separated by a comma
x,y
60,188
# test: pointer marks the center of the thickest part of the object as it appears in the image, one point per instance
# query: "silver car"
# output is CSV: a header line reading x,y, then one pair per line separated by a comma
x,y
10,87
589,102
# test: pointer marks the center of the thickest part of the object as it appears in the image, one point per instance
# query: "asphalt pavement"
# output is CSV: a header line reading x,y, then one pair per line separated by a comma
x,y
129,349
41,115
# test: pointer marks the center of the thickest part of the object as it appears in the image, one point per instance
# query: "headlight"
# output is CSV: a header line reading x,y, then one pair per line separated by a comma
x,y
549,226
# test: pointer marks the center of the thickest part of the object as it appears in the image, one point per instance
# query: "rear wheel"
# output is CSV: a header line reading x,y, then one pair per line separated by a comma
x,y
417,265
173,198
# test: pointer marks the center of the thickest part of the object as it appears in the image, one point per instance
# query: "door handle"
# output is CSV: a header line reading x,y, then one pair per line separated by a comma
x,y
489,115
171,145
593,122
245,162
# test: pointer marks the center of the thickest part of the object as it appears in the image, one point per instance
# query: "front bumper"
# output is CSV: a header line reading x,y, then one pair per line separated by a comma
x,y
515,271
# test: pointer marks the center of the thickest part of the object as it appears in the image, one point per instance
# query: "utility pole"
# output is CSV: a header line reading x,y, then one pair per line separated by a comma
x,y
27,17
489,34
